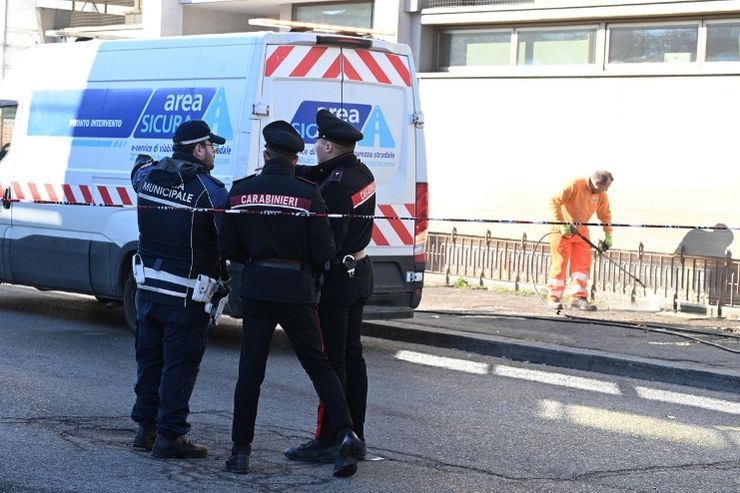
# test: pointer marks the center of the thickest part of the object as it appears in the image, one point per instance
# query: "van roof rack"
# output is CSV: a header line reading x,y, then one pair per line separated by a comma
x,y
296,26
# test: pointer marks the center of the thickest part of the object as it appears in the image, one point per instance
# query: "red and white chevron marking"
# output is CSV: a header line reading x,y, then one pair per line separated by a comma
x,y
322,62
393,232
108,195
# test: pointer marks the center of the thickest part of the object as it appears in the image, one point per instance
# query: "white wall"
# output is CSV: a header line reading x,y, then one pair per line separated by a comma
x,y
18,30
498,148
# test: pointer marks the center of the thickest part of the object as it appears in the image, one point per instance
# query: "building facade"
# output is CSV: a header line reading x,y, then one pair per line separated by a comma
x,y
540,91
519,95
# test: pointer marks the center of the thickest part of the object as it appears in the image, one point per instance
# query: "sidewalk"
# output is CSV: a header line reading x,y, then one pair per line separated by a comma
x,y
500,322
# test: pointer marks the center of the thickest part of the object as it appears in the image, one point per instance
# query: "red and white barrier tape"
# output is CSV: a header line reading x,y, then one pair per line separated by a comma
x,y
6,203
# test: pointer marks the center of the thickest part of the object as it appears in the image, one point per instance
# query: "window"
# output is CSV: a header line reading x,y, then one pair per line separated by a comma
x,y
354,14
556,47
473,48
685,46
723,42
653,44
7,119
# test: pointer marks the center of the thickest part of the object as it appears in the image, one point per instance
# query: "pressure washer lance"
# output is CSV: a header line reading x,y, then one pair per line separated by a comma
x,y
601,251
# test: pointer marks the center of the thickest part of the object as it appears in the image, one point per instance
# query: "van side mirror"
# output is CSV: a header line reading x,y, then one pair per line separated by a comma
x,y
6,198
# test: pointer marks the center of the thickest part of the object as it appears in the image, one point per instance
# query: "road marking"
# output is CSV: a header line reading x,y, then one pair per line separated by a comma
x,y
564,380
442,362
689,400
558,379
635,425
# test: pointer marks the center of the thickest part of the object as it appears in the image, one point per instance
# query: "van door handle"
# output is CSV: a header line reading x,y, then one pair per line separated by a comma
x,y
7,195
260,109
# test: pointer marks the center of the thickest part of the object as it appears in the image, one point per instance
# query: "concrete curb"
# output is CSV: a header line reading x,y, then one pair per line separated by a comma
x,y
560,356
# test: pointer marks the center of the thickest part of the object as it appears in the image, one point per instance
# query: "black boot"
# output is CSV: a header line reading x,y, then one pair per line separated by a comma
x,y
238,463
351,450
314,451
144,439
178,448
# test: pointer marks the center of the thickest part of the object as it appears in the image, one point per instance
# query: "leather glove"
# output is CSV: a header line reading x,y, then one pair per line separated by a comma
x,y
566,229
607,242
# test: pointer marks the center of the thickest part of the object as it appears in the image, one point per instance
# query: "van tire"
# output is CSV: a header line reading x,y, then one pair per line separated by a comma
x,y
129,302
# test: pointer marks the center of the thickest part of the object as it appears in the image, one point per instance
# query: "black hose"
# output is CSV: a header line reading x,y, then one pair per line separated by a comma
x,y
660,329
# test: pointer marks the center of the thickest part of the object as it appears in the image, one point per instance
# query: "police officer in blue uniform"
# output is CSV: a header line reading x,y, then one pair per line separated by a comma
x,y
348,187
176,244
272,228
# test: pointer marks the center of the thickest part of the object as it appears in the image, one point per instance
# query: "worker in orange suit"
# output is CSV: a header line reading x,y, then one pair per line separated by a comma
x,y
574,205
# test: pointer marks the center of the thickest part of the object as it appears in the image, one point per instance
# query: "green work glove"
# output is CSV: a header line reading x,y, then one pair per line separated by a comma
x,y
607,242
566,230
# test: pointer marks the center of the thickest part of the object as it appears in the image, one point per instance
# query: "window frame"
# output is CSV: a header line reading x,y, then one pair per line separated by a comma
x,y
653,67
297,6
563,66
719,65
601,66
438,67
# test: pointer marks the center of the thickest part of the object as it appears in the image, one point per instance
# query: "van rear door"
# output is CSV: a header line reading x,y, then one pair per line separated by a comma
x,y
370,87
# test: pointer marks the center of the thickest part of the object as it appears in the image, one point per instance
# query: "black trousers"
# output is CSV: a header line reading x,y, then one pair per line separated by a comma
x,y
170,343
300,323
341,328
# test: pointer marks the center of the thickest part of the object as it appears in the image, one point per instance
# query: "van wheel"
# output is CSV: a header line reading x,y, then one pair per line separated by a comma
x,y
129,302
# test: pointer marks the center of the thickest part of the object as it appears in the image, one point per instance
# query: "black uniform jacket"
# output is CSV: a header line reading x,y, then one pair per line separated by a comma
x,y
283,252
173,238
348,187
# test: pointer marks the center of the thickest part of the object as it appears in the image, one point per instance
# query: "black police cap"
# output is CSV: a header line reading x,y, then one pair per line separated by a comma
x,y
195,132
336,130
282,137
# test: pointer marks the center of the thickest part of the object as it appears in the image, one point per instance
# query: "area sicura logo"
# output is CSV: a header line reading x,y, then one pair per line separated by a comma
x,y
116,113
367,118
169,107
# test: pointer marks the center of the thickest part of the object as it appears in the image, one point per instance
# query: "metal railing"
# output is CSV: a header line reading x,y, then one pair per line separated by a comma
x,y
682,278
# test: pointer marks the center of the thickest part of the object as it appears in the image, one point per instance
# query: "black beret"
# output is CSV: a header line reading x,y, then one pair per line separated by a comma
x,y
336,130
282,137
194,132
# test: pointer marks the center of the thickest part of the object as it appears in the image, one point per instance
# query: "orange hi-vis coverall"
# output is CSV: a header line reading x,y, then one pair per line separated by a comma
x,y
574,204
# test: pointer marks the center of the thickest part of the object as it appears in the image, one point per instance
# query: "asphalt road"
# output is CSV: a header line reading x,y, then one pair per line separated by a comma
x,y
439,420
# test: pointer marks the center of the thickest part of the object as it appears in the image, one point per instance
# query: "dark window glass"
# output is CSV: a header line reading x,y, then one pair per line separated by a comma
x,y
653,44
723,42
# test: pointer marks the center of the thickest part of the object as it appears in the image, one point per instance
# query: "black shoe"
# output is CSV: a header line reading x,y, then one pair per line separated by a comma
x,y
582,304
351,450
314,451
178,448
238,463
144,439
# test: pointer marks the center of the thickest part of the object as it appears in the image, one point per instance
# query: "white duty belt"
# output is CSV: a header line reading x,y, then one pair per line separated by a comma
x,y
142,273
212,292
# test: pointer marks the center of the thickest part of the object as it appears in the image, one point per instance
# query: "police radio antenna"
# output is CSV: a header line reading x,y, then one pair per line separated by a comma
x,y
297,26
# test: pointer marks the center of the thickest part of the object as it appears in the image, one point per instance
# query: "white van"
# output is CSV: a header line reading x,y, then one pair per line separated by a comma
x,y
85,111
